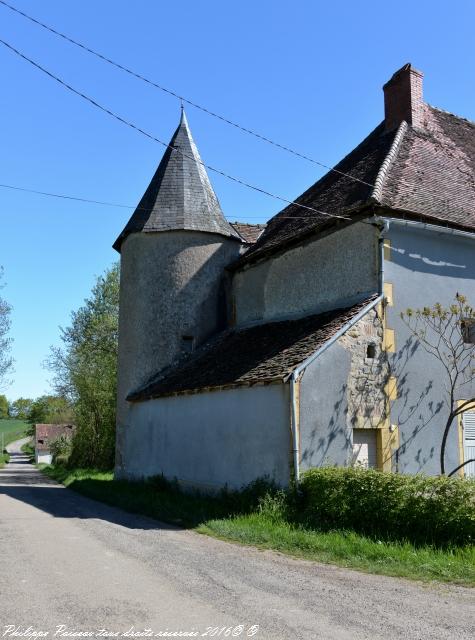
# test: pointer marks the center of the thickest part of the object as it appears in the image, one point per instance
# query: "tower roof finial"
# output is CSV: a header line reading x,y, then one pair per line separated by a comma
x,y
183,118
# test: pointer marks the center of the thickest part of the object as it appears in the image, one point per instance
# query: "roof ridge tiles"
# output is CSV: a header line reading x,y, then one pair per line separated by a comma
x,y
377,192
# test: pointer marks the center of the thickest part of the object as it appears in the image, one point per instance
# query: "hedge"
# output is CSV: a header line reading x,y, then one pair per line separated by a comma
x,y
419,509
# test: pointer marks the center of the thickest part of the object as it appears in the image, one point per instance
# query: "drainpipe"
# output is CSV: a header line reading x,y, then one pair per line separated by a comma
x,y
296,375
295,419
383,231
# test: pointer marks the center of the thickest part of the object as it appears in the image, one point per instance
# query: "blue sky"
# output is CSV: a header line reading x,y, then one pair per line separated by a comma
x,y
306,73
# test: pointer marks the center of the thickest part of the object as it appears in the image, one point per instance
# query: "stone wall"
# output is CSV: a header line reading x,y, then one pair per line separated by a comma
x,y
368,373
342,390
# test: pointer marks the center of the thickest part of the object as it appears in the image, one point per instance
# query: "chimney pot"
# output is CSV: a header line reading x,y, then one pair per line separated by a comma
x,y
403,98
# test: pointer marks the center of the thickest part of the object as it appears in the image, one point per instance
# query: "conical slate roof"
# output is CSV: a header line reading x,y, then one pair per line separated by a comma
x,y
180,195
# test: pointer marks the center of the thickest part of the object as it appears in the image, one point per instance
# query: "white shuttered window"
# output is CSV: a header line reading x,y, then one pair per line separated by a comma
x,y
468,424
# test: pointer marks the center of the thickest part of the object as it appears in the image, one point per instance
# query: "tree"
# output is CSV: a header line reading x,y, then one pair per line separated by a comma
x,y
20,408
50,410
4,408
85,371
6,362
448,335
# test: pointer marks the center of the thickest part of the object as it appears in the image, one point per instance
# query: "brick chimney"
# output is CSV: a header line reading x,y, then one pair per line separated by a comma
x,y
403,98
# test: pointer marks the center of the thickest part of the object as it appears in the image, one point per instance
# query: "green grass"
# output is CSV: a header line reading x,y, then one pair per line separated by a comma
x,y
349,549
12,430
230,518
29,450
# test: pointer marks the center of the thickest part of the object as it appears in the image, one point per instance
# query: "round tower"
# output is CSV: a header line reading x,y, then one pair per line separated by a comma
x,y
173,253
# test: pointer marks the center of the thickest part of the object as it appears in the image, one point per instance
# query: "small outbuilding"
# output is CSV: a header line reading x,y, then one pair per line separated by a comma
x,y
45,435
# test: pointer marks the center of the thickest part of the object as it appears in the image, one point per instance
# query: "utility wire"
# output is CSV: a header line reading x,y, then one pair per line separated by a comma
x,y
164,144
180,97
200,107
67,197
115,204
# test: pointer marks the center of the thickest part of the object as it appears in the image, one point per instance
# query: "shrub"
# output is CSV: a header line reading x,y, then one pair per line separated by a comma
x,y
419,509
61,449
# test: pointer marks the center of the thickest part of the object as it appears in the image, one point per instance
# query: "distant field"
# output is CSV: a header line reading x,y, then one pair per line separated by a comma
x,y
10,430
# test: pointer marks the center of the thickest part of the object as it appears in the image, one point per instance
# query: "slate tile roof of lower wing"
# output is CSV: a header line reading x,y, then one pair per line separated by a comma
x,y
261,353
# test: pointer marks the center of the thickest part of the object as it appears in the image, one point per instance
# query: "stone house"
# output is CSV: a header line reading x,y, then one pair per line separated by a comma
x,y
248,351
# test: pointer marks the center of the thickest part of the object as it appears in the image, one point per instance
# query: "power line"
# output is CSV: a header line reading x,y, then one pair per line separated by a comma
x,y
204,109
164,144
139,76
67,197
200,107
112,204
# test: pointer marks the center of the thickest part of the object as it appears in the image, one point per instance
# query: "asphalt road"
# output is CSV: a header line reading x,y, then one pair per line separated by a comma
x,y
67,560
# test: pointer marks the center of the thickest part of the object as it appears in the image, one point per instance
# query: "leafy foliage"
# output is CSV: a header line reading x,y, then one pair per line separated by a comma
x,y
448,335
85,371
20,408
61,449
4,408
418,509
50,410
6,362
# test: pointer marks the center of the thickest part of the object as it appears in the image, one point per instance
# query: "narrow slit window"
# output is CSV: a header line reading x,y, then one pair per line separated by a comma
x,y
187,343
371,351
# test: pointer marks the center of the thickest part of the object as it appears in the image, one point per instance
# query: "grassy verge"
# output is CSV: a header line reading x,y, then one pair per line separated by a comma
x,y
10,430
349,549
29,450
247,521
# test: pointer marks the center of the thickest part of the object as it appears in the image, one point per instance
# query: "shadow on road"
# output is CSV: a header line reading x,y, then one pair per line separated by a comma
x,y
19,480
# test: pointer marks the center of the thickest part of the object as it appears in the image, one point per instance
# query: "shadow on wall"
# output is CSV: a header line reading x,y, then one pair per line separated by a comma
x,y
430,260
321,444
417,413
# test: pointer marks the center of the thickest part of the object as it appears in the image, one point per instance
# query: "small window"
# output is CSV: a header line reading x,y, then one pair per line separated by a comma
x,y
371,351
468,331
187,343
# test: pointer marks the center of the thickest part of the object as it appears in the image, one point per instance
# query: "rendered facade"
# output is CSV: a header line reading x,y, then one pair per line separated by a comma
x,y
249,351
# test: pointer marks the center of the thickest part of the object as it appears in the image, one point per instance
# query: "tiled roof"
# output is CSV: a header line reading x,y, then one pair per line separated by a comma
x,y
257,354
334,193
433,174
47,433
426,172
180,195
248,232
